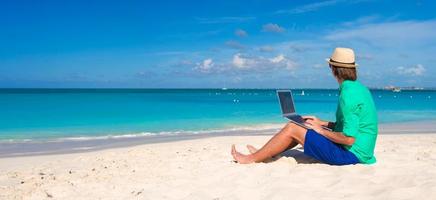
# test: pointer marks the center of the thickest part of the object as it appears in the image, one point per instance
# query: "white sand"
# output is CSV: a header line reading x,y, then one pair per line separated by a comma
x,y
202,169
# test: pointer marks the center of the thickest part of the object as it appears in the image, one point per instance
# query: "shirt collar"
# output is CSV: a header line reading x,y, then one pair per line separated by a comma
x,y
344,83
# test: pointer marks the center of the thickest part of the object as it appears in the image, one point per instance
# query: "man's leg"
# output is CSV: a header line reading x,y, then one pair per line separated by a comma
x,y
290,135
253,149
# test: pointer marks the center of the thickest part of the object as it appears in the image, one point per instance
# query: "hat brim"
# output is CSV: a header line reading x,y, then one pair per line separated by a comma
x,y
341,64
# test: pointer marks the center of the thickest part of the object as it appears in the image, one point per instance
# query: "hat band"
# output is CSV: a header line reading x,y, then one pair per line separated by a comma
x,y
353,63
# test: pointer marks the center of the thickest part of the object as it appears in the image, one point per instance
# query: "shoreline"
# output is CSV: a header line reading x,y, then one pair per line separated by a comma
x,y
35,148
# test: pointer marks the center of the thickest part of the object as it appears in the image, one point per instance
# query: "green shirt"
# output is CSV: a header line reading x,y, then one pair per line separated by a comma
x,y
356,117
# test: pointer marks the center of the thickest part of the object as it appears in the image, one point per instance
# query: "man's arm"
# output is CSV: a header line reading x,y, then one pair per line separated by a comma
x,y
337,137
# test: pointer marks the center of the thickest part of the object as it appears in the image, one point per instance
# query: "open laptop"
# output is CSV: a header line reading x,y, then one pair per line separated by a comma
x,y
288,108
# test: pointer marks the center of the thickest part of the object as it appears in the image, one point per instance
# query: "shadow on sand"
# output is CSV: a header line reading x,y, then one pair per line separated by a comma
x,y
298,155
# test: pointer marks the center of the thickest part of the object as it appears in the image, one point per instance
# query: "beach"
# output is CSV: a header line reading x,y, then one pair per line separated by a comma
x,y
202,168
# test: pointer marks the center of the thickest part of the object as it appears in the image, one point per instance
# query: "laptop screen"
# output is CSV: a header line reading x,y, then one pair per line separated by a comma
x,y
286,102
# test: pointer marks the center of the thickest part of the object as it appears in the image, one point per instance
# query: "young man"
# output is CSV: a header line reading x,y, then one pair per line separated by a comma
x,y
353,136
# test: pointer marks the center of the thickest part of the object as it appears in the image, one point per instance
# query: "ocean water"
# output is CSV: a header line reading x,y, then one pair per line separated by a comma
x,y
47,114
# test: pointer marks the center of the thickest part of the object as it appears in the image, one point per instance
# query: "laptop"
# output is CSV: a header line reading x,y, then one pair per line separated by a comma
x,y
288,108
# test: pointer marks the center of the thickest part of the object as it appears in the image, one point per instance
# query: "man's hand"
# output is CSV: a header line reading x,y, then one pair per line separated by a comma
x,y
314,120
315,126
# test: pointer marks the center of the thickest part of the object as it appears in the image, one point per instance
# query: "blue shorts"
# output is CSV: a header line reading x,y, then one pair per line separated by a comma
x,y
326,151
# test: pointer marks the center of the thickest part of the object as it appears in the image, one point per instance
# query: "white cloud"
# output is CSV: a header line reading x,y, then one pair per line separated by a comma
x,y
389,33
417,70
282,60
241,33
274,28
246,64
205,66
278,59
242,62
263,64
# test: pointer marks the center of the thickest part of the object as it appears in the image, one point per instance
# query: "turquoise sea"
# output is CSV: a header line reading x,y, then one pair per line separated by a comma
x,y
47,114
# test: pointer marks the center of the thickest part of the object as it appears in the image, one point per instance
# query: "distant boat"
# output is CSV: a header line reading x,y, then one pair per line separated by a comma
x,y
302,93
396,89
224,88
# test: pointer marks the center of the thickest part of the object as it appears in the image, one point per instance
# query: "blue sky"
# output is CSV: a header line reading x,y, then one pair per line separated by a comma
x,y
227,43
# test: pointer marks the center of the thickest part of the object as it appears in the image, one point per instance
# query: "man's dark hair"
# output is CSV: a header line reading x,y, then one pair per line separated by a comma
x,y
344,73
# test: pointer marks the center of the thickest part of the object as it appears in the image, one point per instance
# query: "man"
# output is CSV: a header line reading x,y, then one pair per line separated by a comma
x,y
353,136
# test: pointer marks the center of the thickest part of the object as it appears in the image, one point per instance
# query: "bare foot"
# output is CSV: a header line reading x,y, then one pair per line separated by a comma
x,y
251,149
241,158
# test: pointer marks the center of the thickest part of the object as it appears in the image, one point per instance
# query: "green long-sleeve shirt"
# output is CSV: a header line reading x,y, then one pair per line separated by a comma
x,y
356,116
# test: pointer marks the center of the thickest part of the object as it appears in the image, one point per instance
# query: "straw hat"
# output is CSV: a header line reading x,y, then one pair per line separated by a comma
x,y
343,57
